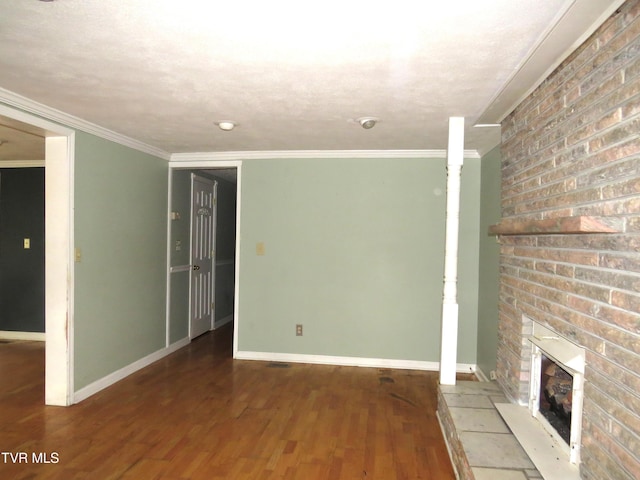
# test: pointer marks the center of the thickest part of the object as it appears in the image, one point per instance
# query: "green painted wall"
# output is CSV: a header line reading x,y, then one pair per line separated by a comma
x,y
354,250
179,306
120,284
468,258
489,262
179,287
181,204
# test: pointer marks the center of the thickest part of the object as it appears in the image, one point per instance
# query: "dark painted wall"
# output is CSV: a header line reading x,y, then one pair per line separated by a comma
x,y
22,270
225,248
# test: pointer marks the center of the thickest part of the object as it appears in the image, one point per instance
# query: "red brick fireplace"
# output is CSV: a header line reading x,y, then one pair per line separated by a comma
x,y
570,236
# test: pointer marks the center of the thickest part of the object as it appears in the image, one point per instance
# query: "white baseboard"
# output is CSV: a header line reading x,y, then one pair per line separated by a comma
x,y
32,336
481,375
350,361
223,321
118,375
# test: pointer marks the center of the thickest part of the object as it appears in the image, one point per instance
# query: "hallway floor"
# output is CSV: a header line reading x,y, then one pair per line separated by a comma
x,y
198,414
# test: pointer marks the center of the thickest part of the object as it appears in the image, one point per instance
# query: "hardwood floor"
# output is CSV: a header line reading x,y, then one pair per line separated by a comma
x,y
198,414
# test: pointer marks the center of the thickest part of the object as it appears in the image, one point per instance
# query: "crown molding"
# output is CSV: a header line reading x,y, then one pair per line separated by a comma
x,y
30,106
312,154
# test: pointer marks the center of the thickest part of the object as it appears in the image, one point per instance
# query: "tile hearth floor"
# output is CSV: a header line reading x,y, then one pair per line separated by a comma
x,y
492,451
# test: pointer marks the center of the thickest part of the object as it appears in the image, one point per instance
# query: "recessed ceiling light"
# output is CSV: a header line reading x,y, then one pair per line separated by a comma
x,y
367,122
226,125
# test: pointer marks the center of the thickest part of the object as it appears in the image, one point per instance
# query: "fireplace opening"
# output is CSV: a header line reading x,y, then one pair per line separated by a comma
x,y
556,397
556,387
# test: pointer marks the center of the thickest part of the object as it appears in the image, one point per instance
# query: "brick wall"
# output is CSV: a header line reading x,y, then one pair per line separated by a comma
x,y
573,148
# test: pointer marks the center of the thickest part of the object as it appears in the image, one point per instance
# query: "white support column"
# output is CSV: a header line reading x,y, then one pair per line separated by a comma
x,y
449,340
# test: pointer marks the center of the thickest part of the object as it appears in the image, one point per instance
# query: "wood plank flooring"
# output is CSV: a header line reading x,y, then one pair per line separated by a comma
x,y
198,414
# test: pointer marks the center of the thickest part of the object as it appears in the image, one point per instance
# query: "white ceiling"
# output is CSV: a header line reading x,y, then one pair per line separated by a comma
x,y
293,74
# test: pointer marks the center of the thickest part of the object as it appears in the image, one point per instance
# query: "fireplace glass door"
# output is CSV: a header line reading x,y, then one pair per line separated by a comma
x,y
556,387
556,396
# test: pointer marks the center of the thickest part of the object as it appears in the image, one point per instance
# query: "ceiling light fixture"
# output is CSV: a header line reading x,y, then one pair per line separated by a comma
x,y
226,125
367,122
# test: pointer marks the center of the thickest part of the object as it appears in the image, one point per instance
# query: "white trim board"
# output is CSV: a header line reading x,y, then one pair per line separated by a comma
x,y
21,163
480,375
180,268
59,267
29,336
349,361
312,154
124,372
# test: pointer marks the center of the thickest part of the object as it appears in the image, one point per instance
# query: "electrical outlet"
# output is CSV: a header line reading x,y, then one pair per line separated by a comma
x,y
492,375
299,330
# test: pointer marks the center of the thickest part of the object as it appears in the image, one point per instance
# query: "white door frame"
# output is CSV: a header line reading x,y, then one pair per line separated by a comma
x,y
59,272
205,164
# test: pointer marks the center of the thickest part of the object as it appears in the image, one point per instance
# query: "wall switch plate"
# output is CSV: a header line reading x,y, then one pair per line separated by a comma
x,y
492,375
78,255
260,248
27,243
299,330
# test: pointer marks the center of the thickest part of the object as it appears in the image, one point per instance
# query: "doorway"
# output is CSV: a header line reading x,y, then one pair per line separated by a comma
x,y
58,238
225,297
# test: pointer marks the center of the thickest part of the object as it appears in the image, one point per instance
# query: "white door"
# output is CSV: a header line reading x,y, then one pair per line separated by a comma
x,y
203,244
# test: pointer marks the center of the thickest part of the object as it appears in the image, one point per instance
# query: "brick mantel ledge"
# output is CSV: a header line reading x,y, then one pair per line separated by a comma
x,y
559,225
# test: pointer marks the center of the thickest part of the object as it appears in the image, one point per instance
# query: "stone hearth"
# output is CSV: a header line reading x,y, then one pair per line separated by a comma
x,y
490,438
